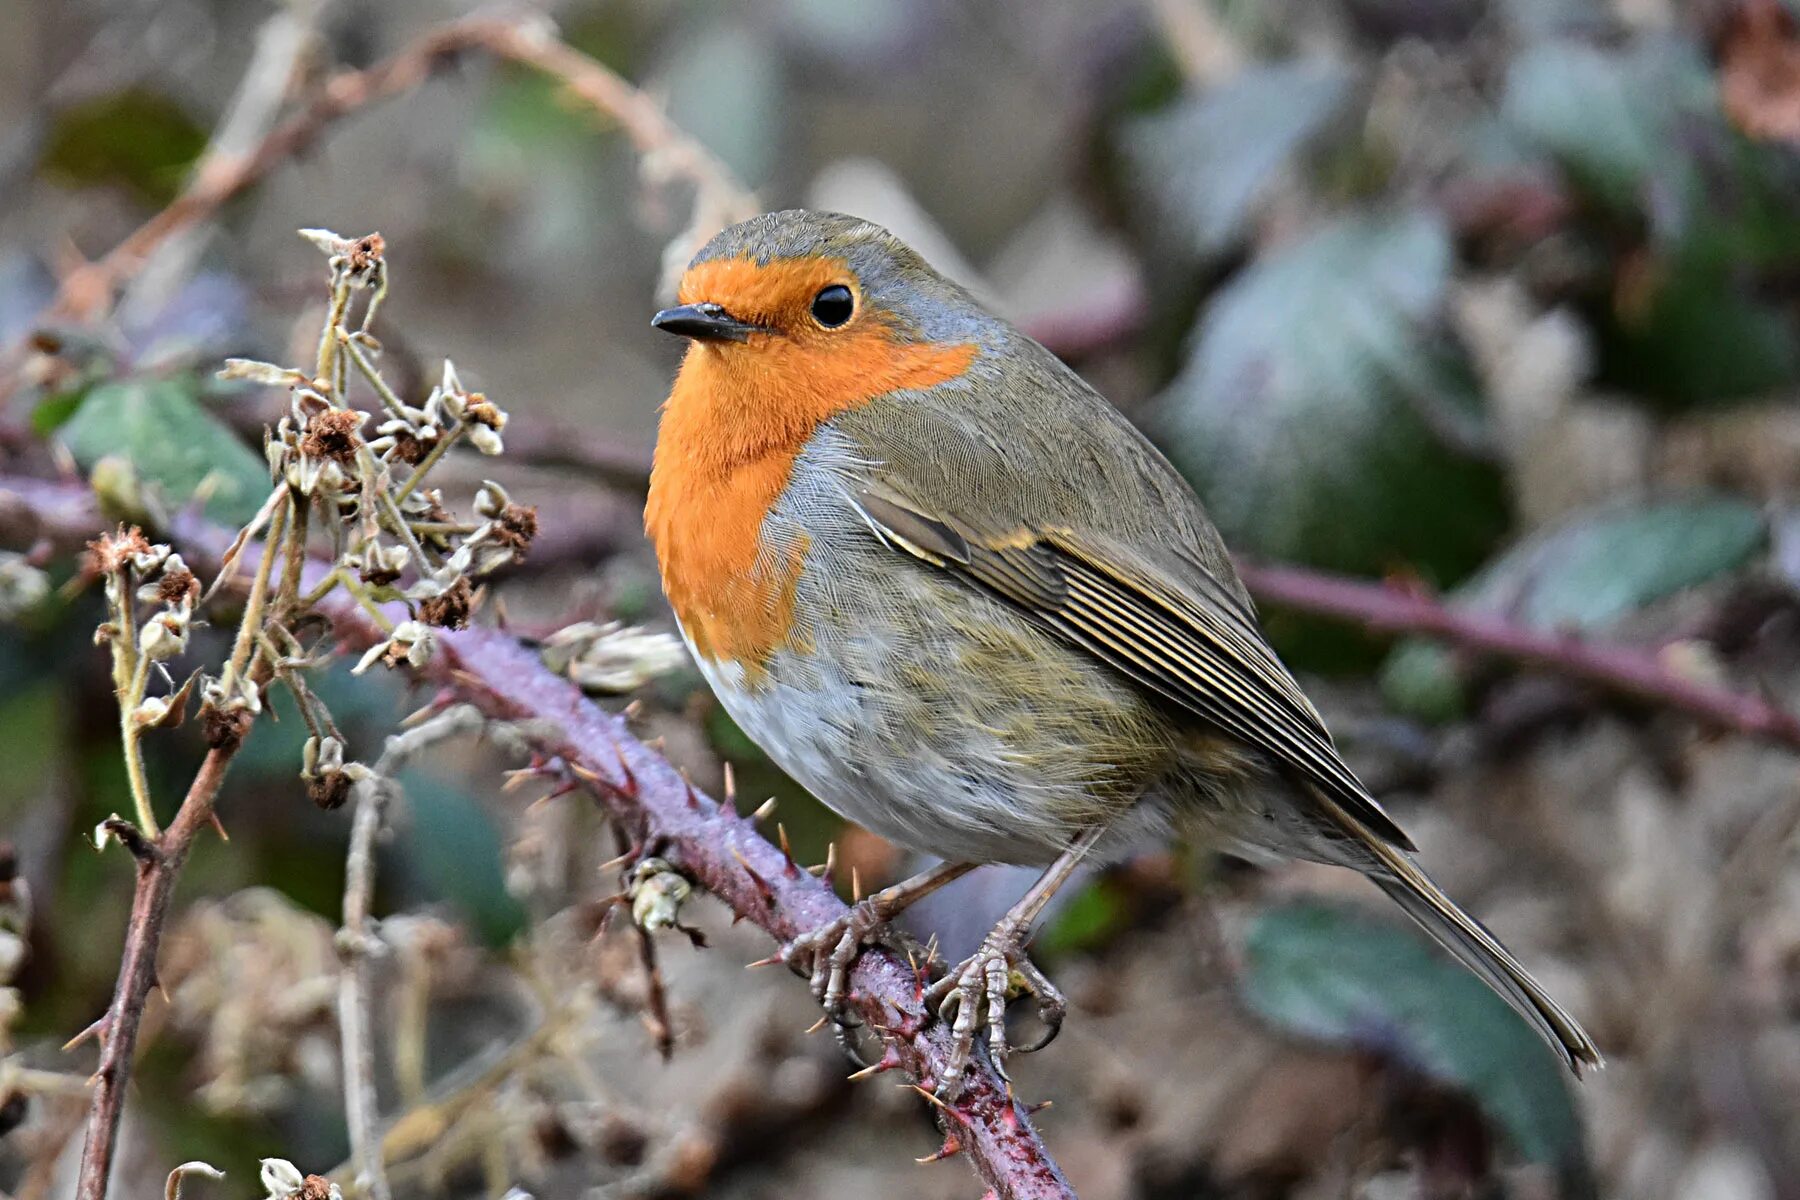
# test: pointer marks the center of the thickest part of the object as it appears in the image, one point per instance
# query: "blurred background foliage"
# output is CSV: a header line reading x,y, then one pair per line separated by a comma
x,y
1494,297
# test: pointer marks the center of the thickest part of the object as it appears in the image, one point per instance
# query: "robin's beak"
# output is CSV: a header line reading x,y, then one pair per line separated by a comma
x,y
706,322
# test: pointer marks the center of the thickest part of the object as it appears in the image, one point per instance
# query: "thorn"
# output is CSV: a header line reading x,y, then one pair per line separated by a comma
x,y
762,885
781,832
560,790
218,826
855,886
889,1060
519,776
774,960
727,804
764,810
1032,1110
444,699
633,710
826,869
730,785
630,786
950,1147
658,744
931,1096
586,774
623,860
818,1024
96,1030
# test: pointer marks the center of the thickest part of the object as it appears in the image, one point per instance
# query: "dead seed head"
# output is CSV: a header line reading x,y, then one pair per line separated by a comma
x,y
449,609
178,585
408,448
365,254
224,728
517,526
329,790
114,551
332,435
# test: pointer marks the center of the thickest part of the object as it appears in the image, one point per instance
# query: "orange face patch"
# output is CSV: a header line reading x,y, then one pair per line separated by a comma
x,y
738,416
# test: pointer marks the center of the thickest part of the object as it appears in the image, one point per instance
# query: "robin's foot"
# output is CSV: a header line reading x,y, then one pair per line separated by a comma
x,y
826,954
973,998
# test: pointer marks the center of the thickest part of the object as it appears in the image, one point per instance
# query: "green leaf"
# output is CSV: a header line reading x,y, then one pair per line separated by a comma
x,y
1316,414
1606,563
1612,118
1337,975
134,138
54,411
1584,574
172,442
1205,162
455,847
1640,133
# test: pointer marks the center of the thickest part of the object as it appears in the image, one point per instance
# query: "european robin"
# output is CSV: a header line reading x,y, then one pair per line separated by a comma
x,y
955,594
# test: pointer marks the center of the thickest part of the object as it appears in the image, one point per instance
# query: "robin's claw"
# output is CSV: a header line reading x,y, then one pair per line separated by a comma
x,y
973,998
826,954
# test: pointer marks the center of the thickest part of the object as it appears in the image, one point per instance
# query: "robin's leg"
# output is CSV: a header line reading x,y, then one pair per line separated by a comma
x,y
975,993
828,951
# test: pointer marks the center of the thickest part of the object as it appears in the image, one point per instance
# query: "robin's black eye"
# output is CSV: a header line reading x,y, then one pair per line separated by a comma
x,y
833,306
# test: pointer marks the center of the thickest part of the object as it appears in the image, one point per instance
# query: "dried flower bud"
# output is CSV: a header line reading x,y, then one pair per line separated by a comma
x,y
148,561
410,643
381,565
281,1179
491,500
612,658
657,892
261,372
486,440
164,636
172,1185
482,411
150,712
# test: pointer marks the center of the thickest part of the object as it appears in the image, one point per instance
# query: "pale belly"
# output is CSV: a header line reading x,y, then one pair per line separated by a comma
x,y
977,766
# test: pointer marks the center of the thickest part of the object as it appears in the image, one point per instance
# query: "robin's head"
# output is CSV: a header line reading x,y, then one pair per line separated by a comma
x,y
796,316
815,279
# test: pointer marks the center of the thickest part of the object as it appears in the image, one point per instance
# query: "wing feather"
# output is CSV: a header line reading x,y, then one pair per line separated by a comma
x,y
1207,658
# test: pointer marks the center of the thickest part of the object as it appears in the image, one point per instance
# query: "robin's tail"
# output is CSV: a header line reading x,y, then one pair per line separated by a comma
x,y
1466,938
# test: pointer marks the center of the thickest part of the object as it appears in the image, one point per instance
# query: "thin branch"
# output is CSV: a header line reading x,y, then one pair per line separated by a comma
x,y
358,943
669,152
158,866
1626,671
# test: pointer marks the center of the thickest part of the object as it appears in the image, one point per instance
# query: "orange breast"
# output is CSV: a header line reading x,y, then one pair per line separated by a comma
x,y
737,419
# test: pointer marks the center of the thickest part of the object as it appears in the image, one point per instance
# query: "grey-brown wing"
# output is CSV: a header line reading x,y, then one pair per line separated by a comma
x,y
1202,653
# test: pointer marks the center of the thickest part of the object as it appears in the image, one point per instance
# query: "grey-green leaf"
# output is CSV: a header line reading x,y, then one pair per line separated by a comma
x,y
1585,574
1325,414
174,444
1338,975
1205,161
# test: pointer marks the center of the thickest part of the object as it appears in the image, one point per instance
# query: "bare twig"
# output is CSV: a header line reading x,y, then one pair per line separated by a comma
x,y
281,47
1620,670
158,866
669,153
358,941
